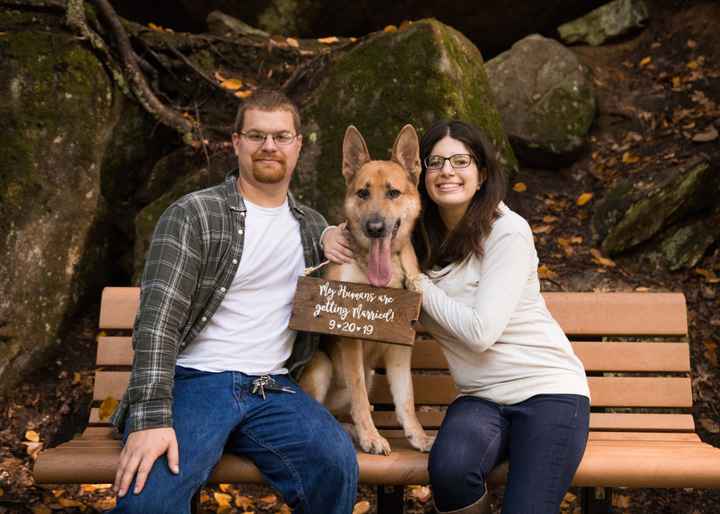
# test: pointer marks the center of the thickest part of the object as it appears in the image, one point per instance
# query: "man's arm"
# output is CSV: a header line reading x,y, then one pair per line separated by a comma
x,y
169,279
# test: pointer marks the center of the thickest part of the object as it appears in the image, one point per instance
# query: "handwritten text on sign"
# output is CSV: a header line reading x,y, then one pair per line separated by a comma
x,y
355,310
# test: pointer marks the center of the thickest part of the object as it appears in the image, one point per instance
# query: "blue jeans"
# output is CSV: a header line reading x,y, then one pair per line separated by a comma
x,y
543,437
295,442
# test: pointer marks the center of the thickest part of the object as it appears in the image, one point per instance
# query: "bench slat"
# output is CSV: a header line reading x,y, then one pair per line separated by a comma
x,y
427,354
440,390
638,463
608,314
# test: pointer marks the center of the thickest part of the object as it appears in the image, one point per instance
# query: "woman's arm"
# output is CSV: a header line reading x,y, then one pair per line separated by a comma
x,y
501,278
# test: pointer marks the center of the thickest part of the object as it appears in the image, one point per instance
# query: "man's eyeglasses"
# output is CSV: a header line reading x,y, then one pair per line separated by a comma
x,y
459,160
279,138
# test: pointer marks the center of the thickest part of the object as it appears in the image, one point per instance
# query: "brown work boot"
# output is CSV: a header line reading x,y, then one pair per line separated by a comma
x,y
482,506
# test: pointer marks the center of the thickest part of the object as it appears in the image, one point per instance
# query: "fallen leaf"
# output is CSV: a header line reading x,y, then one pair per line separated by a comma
x,y
421,493
693,65
542,229
519,187
646,61
284,509
709,134
576,240
33,436
292,42
244,502
621,501
231,84
219,76
91,488
269,500
223,500
107,407
362,507
629,158
710,425
602,261
33,449
550,218
41,509
77,378
642,289
104,504
328,40
711,352
69,502
243,94
226,488
390,28
709,275
676,82
546,273
583,199
691,43
155,27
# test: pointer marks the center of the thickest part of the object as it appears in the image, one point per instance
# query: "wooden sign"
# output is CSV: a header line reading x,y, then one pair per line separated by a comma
x,y
355,310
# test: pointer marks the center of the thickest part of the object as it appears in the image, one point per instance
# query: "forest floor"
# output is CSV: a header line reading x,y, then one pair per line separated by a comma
x,y
656,92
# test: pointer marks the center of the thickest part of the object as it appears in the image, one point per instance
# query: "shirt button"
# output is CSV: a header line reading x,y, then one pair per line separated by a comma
x,y
204,318
240,231
222,289
234,261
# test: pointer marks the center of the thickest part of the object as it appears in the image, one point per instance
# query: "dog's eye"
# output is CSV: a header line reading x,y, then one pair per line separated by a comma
x,y
393,193
363,194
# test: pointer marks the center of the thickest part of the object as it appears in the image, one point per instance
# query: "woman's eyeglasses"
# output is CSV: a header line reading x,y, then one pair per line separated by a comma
x,y
459,160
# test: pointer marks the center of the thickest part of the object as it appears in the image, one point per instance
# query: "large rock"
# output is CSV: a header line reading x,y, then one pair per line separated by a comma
x,y
656,207
546,100
418,75
56,119
606,22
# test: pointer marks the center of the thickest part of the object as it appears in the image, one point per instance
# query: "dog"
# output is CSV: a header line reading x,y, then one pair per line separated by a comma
x,y
381,205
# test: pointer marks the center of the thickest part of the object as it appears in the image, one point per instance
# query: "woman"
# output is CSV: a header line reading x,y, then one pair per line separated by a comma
x,y
523,392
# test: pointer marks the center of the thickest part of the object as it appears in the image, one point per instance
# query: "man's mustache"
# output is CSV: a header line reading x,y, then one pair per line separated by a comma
x,y
268,156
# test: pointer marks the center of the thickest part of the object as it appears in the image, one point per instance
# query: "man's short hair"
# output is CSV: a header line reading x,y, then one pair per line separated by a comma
x,y
267,100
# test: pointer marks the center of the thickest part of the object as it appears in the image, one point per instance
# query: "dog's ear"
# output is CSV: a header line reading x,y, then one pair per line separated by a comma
x,y
355,153
406,152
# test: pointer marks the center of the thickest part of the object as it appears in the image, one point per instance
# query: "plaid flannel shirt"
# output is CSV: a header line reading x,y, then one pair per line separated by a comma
x,y
193,257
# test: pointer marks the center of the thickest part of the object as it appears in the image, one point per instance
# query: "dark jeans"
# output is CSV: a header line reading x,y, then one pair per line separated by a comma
x,y
543,437
295,442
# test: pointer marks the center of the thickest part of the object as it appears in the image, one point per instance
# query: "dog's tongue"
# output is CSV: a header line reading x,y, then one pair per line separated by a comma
x,y
379,266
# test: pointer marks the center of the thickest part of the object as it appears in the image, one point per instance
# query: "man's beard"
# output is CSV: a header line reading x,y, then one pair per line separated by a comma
x,y
269,173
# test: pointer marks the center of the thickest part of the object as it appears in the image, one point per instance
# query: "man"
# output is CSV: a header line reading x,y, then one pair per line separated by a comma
x,y
213,352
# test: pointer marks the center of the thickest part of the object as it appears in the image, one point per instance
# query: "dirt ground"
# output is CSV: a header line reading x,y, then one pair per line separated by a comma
x,y
656,90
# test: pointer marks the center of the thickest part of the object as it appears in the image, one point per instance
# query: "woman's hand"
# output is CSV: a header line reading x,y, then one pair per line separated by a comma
x,y
336,244
409,263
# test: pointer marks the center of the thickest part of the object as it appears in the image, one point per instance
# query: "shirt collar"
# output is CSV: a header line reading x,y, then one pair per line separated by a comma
x,y
236,202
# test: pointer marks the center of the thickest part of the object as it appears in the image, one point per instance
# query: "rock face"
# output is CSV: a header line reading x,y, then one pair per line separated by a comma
x,y
545,97
56,119
606,22
425,72
667,216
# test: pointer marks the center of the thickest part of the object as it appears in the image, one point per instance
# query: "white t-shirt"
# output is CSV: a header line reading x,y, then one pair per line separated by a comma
x,y
497,334
249,331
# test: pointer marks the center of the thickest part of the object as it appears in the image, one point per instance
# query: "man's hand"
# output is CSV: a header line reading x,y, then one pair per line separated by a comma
x,y
337,246
140,453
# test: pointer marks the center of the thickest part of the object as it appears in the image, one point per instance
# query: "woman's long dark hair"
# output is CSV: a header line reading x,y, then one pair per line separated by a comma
x,y
434,244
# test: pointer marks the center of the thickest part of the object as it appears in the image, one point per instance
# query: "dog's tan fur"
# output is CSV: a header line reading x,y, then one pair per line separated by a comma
x,y
340,375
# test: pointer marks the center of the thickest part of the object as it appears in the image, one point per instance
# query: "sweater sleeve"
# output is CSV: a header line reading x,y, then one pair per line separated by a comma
x,y
501,277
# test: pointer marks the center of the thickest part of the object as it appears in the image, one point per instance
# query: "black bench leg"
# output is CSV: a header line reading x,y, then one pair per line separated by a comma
x,y
596,500
390,499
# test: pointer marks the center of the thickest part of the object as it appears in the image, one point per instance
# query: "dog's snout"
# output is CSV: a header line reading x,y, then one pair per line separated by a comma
x,y
375,227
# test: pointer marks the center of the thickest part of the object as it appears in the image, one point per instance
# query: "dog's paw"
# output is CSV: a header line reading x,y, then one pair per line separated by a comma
x,y
375,444
421,441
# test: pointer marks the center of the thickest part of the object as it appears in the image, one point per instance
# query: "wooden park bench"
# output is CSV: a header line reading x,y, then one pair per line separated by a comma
x,y
634,348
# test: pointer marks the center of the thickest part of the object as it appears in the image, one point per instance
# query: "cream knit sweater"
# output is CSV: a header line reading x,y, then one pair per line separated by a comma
x,y
500,341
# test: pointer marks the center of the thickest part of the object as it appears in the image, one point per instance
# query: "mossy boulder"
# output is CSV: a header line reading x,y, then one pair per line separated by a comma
x,y
546,100
604,23
56,119
638,210
425,72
